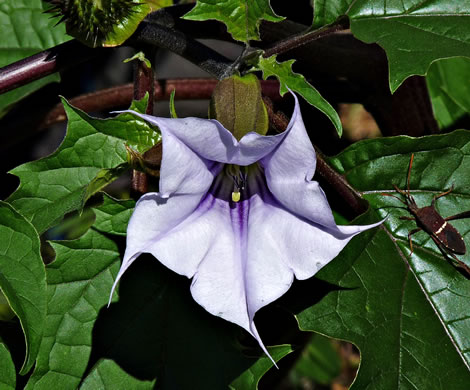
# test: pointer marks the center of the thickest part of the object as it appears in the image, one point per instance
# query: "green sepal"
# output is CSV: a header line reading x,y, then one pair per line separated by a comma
x,y
140,56
172,105
238,105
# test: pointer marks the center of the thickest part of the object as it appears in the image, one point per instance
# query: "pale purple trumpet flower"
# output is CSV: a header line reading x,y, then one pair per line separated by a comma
x,y
241,218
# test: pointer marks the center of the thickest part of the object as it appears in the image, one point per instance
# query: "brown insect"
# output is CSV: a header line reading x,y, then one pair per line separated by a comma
x,y
445,236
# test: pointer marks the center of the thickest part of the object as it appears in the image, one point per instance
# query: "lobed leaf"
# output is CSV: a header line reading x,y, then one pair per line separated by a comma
x,y
78,284
404,311
92,155
107,374
297,83
320,361
439,29
22,277
242,18
250,378
113,215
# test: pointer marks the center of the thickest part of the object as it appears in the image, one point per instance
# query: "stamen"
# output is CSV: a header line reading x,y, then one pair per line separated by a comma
x,y
236,196
238,175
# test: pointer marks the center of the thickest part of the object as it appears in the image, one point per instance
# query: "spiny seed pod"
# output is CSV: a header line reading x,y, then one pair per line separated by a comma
x,y
102,22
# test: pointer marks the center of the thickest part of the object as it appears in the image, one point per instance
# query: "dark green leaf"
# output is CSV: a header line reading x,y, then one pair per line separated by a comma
x,y
405,312
449,88
297,83
79,282
92,155
413,33
250,378
242,18
320,361
22,277
6,314
140,105
107,374
25,30
113,215
7,369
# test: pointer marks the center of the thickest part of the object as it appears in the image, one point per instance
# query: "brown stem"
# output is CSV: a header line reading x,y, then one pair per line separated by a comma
x,y
45,63
121,96
352,197
144,83
19,127
303,39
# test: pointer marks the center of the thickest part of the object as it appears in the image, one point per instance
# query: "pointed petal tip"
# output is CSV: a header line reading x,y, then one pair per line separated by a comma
x,y
112,292
255,334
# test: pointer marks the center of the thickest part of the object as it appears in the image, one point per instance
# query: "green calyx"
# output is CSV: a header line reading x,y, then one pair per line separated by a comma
x,y
237,104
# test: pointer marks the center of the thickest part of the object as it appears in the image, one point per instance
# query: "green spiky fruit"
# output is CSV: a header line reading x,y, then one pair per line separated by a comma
x,y
103,22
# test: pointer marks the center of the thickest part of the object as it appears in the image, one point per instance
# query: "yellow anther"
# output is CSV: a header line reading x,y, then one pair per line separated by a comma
x,y
236,196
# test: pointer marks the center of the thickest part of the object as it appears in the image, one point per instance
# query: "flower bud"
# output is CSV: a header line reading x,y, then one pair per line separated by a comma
x,y
237,104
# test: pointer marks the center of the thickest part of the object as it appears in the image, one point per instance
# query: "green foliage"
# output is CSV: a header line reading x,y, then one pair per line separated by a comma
x,y
404,311
249,379
25,30
92,155
140,56
22,277
449,87
112,215
413,33
242,18
7,369
78,285
297,83
107,374
320,361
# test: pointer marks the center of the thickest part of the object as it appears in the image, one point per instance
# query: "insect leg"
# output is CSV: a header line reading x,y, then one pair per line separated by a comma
x,y
465,214
410,233
408,218
458,263
442,194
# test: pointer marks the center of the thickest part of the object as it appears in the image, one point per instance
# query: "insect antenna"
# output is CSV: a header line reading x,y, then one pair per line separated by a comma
x,y
396,197
409,173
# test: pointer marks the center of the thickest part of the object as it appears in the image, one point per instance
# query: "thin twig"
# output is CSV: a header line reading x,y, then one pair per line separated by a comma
x,y
121,96
303,39
144,83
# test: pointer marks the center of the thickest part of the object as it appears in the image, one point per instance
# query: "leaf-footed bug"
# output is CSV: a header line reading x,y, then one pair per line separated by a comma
x,y
445,236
